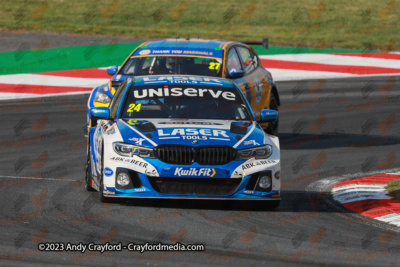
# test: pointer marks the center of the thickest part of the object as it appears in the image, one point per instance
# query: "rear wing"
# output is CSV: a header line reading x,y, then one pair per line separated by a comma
x,y
264,43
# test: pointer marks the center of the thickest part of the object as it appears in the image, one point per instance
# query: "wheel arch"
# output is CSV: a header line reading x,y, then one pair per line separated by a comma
x,y
274,91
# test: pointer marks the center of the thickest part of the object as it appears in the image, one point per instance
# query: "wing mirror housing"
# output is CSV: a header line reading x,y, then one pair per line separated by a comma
x,y
234,73
101,113
112,70
267,115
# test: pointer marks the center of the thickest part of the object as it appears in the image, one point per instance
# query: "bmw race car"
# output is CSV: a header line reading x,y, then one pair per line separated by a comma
x,y
234,60
182,137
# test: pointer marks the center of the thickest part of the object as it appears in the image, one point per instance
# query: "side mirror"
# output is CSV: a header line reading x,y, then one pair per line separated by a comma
x,y
112,70
267,115
234,73
100,112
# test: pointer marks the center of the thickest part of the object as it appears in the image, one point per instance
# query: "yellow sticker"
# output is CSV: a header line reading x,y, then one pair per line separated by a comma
x,y
214,65
133,107
137,108
132,122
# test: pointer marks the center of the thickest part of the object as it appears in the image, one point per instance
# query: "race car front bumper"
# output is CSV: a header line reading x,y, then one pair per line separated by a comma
x,y
247,187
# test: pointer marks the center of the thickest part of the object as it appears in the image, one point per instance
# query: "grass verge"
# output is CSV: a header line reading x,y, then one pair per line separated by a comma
x,y
359,24
393,187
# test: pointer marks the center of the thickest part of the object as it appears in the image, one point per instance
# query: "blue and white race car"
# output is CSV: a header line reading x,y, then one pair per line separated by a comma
x,y
182,137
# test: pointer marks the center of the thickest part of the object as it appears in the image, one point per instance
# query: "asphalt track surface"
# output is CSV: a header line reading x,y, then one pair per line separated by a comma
x,y
327,128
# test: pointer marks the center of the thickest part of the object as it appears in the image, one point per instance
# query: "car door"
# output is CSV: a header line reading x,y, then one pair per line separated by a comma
x,y
255,77
233,62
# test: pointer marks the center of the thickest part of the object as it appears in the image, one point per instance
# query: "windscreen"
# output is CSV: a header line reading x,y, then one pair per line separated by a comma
x,y
186,102
159,65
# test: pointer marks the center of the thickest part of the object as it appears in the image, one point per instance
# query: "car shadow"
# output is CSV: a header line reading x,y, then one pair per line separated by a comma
x,y
292,201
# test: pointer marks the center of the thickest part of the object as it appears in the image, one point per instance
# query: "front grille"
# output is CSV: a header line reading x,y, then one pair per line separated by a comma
x,y
215,155
195,186
176,154
205,155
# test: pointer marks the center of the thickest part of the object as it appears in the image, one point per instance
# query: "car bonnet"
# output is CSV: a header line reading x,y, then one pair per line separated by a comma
x,y
192,132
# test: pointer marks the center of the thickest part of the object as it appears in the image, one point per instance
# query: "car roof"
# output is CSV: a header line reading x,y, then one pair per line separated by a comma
x,y
176,47
189,80
187,43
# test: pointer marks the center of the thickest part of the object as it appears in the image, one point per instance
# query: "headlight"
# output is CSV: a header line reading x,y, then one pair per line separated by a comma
x,y
261,152
102,97
128,150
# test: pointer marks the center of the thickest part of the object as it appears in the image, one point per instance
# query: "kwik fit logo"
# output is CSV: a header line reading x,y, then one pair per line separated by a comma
x,y
199,172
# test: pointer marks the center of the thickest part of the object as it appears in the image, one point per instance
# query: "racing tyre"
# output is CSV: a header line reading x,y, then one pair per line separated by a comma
x,y
101,186
273,204
88,178
273,126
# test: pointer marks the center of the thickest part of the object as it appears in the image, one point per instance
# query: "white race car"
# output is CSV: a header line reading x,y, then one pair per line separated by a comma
x,y
182,137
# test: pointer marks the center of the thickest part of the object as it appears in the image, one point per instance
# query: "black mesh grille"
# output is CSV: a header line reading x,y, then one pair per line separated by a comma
x,y
176,154
195,186
215,155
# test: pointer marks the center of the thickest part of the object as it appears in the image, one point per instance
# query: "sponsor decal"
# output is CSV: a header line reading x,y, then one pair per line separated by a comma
x,y
138,141
258,90
108,192
193,133
131,161
195,141
251,142
178,52
191,122
275,195
108,171
95,110
202,172
189,92
174,79
139,189
247,166
278,175
117,159
237,173
145,52
136,162
152,173
161,51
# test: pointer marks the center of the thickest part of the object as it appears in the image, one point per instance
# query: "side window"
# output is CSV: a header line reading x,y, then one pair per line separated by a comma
x,y
129,67
117,100
233,61
249,60
146,65
256,61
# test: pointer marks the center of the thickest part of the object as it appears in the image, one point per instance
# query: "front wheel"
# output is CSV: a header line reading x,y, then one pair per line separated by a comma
x,y
88,178
101,184
273,126
273,204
